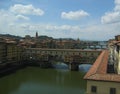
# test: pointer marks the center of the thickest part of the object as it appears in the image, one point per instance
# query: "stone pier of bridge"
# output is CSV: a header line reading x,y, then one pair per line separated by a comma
x,y
73,66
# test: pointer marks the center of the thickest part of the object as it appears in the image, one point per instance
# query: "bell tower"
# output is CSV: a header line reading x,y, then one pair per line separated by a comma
x,y
36,35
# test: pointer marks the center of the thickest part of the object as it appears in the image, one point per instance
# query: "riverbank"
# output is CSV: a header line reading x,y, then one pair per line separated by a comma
x,y
8,69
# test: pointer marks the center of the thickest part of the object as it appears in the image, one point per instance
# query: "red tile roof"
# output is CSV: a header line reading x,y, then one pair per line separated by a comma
x,y
98,71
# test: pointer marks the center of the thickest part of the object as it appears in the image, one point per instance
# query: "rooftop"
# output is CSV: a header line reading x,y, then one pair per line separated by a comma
x,y
98,71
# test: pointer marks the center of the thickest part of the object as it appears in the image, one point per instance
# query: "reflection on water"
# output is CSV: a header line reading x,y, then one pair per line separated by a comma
x,y
60,65
34,80
84,67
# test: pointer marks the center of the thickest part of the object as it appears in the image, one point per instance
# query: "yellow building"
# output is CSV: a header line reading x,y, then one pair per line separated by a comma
x,y
99,81
114,50
11,55
19,54
117,37
2,52
14,52
116,56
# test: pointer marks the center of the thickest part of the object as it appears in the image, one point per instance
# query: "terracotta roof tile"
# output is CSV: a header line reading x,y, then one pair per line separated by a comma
x,y
99,70
105,77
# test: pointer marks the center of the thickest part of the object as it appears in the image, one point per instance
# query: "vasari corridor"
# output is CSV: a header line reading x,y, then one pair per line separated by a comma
x,y
59,47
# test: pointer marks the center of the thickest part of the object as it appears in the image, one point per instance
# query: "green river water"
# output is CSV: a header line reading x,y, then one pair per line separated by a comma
x,y
34,80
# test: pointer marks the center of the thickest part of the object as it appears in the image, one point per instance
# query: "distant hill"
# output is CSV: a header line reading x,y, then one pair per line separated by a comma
x,y
44,37
10,36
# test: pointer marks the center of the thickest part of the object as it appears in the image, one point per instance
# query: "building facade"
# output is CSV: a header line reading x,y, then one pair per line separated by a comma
x,y
99,81
114,50
10,53
2,52
103,77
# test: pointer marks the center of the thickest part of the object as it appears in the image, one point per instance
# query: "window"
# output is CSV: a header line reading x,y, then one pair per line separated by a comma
x,y
93,89
118,47
112,90
91,54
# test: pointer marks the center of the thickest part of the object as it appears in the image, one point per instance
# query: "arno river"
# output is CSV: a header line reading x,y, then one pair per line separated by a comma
x,y
34,80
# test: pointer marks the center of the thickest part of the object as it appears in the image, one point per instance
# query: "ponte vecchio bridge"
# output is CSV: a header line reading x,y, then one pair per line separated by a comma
x,y
72,57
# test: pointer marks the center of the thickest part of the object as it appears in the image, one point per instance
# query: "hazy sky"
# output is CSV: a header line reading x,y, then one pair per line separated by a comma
x,y
84,19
